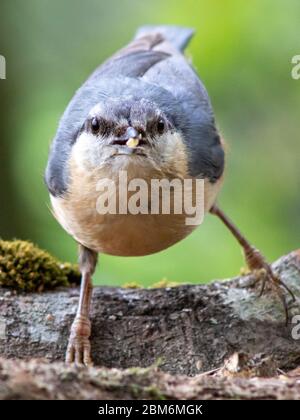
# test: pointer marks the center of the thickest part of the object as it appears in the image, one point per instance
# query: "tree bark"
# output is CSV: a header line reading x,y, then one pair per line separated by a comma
x,y
223,326
190,329
39,379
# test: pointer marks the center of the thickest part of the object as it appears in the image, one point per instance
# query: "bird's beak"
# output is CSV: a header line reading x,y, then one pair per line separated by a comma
x,y
132,142
133,137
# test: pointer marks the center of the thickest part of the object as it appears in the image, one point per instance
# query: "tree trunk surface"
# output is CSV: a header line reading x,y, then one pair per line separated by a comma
x,y
185,330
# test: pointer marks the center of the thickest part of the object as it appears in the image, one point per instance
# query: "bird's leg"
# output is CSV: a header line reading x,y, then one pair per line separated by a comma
x,y
256,261
79,348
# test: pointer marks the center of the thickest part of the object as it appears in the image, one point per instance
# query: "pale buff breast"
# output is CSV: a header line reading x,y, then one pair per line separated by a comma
x,y
121,234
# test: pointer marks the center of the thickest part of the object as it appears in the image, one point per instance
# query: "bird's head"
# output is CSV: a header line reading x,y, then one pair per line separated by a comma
x,y
126,130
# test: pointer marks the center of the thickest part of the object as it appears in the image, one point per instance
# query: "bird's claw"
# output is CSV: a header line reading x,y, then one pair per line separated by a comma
x,y
264,273
79,347
79,352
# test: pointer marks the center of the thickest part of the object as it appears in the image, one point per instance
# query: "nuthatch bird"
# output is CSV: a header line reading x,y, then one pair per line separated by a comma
x,y
144,111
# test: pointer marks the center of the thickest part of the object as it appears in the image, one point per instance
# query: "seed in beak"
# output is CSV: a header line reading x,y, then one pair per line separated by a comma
x,y
132,142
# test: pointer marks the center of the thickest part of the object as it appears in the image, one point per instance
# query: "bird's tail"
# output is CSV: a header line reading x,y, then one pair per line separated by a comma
x,y
176,35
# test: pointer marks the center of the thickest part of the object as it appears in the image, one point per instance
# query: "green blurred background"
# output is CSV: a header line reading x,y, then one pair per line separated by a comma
x,y
243,53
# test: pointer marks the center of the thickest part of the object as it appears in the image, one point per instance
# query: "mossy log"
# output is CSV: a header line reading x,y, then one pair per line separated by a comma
x,y
39,379
189,329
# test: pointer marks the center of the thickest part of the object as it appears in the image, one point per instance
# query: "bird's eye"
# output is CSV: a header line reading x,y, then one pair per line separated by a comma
x,y
160,126
95,125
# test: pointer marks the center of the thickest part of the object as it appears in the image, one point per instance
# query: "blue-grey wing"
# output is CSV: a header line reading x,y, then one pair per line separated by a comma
x,y
197,123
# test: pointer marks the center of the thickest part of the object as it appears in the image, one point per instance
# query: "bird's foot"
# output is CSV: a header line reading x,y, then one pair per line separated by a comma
x,y
79,347
263,271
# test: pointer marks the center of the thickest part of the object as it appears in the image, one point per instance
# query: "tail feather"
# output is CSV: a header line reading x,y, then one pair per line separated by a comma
x,y
177,35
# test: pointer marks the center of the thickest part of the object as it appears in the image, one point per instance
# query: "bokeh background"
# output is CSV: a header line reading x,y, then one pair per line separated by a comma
x,y
243,52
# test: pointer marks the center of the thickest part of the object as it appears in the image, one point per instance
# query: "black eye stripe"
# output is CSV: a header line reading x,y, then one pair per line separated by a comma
x,y
100,126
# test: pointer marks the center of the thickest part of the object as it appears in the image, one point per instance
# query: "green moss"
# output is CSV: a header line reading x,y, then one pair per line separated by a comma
x,y
136,391
165,283
132,285
154,392
25,267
